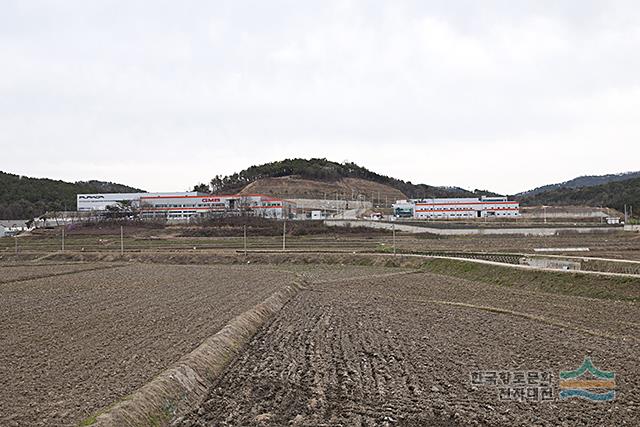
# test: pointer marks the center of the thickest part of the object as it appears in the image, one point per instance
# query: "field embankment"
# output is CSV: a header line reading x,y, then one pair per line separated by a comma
x,y
563,283
401,350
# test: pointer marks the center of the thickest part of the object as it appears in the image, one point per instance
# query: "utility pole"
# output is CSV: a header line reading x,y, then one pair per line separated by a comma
x,y
245,240
284,235
121,241
62,238
625,214
393,229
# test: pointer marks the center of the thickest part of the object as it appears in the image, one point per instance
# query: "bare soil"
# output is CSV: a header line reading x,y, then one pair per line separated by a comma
x,y
399,350
360,345
293,187
74,343
20,272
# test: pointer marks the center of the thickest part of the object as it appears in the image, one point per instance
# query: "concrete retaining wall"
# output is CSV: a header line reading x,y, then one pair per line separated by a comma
x,y
330,205
557,264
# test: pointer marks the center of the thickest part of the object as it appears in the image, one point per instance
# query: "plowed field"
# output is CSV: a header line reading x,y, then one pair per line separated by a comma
x,y
358,346
74,343
401,350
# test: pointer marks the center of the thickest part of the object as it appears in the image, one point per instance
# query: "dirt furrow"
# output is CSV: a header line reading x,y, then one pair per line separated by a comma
x,y
371,352
76,343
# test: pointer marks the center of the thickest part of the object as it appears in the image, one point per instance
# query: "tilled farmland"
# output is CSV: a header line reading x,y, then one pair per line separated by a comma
x,y
402,350
74,343
20,272
358,345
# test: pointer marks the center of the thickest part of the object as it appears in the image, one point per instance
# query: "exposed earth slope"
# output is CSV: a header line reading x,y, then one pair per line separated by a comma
x,y
295,187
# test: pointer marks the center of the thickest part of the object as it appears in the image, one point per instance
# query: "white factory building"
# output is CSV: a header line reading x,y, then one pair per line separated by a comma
x,y
181,206
187,206
100,202
458,208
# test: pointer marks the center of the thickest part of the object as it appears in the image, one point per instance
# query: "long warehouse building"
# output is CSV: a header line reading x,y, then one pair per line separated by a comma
x,y
185,205
458,208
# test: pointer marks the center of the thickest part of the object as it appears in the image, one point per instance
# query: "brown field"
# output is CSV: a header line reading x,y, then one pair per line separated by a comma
x,y
399,350
362,345
20,272
75,343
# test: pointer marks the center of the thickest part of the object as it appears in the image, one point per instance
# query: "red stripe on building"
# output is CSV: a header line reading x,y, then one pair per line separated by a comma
x,y
466,203
465,210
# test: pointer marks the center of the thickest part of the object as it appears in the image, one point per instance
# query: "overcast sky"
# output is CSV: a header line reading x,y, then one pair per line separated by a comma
x,y
505,95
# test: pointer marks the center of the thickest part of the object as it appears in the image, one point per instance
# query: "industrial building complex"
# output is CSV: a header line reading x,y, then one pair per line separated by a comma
x,y
186,205
460,208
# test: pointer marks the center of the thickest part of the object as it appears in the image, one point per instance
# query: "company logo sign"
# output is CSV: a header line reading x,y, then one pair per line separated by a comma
x,y
211,199
91,197
588,382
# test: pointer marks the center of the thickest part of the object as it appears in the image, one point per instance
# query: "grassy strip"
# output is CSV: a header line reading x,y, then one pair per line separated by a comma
x,y
572,284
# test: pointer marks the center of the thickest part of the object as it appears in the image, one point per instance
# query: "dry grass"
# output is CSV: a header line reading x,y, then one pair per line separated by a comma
x,y
576,284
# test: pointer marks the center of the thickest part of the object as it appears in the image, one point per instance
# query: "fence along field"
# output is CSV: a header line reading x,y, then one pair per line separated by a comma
x,y
299,236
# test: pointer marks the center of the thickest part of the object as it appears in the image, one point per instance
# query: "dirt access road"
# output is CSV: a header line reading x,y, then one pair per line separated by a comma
x,y
402,349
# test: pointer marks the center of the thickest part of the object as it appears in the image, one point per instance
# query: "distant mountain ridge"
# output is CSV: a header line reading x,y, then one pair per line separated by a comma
x,y
613,194
25,198
582,182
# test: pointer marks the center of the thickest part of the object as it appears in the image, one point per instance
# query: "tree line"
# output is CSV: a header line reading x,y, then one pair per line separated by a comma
x,y
26,198
612,195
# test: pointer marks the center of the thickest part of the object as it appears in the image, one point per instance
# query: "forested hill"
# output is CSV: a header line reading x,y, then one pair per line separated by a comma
x,y
583,181
25,198
613,195
324,170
